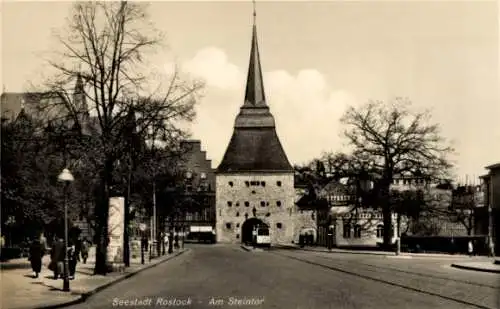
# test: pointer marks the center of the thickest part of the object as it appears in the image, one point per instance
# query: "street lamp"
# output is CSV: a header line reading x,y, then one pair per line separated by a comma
x,y
66,177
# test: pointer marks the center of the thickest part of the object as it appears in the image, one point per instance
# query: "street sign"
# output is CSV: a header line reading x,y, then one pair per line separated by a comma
x,y
142,227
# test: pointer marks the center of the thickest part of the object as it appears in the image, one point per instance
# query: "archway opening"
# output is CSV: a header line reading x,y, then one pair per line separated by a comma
x,y
247,229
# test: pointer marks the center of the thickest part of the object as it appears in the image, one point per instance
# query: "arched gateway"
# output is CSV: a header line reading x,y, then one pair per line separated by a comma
x,y
247,229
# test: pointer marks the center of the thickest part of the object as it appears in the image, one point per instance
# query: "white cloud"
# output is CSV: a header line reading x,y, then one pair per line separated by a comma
x,y
306,108
211,64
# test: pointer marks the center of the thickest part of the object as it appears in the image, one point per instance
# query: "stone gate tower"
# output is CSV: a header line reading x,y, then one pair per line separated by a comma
x,y
254,181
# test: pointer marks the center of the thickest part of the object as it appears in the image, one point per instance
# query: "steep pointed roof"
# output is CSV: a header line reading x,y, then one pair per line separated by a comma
x,y
254,145
79,96
254,94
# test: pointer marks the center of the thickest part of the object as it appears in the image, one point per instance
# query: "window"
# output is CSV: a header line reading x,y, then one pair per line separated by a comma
x,y
268,214
254,183
237,236
247,204
263,232
237,204
229,203
237,214
228,226
347,230
253,191
237,225
262,203
231,183
357,231
263,183
380,231
279,225
278,183
278,203
247,183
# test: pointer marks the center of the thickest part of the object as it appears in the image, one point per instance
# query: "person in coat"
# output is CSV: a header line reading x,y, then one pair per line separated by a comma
x,y
37,251
72,259
85,250
57,258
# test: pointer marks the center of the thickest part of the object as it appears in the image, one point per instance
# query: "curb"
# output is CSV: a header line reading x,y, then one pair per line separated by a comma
x,y
86,295
245,248
399,256
381,253
486,270
346,252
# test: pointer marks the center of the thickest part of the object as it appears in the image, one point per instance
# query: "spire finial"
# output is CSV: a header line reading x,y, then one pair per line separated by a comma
x,y
254,13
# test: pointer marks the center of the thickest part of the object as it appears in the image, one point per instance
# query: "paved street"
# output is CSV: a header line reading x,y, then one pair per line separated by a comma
x,y
214,276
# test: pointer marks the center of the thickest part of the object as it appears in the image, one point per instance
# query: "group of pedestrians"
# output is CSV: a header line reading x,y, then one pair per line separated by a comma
x,y
76,251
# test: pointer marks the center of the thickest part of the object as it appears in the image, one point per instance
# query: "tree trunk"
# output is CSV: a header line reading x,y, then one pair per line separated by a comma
x,y
387,218
386,214
101,267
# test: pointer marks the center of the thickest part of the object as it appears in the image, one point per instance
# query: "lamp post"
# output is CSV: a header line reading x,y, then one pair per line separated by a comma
x,y
67,178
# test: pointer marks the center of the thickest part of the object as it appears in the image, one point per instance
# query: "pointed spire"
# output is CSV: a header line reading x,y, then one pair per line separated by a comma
x,y
79,97
79,84
254,94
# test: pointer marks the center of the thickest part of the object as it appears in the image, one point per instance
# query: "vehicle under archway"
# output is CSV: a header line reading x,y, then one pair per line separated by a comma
x,y
247,228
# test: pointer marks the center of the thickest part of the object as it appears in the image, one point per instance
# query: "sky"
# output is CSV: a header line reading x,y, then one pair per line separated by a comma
x,y
318,58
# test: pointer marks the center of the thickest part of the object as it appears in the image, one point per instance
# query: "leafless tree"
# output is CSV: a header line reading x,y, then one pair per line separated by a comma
x,y
106,44
395,141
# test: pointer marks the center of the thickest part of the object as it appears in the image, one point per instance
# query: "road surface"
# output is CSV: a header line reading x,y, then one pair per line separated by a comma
x,y
220,276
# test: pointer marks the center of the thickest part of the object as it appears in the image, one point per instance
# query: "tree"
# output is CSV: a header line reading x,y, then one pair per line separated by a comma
x,y
30,191
106,45
395,140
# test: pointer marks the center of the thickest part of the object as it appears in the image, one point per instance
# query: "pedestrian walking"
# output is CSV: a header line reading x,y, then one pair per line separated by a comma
x,y
57,258
36,253
72,260
470,248
165,242
176,240
85,250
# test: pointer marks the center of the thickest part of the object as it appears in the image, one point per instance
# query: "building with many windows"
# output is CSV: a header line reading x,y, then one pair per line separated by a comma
x,y
489,215
198,189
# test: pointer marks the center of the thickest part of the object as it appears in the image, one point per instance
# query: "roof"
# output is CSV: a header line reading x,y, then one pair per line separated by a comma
x,y
254,145
493,166
335,187
254,149
254,93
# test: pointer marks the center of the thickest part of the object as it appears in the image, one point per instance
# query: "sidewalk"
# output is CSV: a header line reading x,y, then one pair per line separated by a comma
x,y
489,266
380,253
21,290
